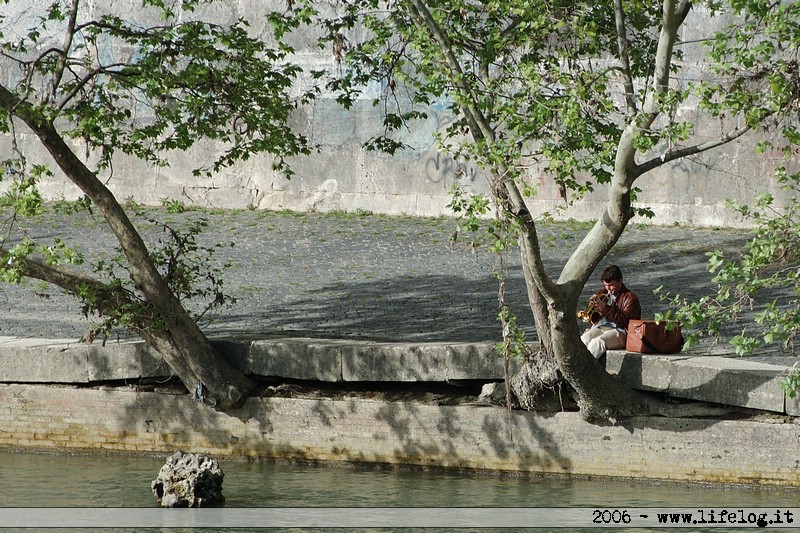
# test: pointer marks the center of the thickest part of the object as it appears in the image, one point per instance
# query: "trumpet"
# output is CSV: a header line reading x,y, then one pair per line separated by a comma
x,y
596,299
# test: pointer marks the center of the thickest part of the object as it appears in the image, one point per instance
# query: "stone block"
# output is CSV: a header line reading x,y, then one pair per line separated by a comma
x,y
421,362
79,363
729,381
309,359
124,361
792,405
752,382
787,364
644,372
29,342
66,363
395,362
477,361
236,352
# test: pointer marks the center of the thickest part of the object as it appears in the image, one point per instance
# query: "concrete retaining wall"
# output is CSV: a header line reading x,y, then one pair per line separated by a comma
x,y
64,419
54,397
417,181
303,359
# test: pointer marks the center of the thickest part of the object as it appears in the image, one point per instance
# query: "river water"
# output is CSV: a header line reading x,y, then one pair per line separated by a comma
x,y
67,481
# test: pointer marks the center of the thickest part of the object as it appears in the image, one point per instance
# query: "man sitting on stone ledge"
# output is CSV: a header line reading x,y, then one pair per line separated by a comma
x,y
610,310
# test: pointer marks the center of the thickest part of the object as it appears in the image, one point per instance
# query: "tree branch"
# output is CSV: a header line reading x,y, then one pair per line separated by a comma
x,y
85,80
423,18
624,57
618,212
143,272
673,14
76,284
479,125
61,64
672,155
534,265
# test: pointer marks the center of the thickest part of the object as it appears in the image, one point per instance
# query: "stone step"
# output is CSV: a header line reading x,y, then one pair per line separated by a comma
x,y
752,382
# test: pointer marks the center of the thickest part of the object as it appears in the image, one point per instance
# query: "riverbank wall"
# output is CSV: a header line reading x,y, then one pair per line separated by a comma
x,y
357,430
116,399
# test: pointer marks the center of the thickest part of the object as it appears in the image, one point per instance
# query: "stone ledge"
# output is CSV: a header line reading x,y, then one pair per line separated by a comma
x,y
421,362
294,358
72,362
751,382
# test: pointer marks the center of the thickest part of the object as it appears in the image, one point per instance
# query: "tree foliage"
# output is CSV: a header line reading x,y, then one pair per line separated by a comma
x,y
761,284
757,57
142,84
586,93
513,73
119,84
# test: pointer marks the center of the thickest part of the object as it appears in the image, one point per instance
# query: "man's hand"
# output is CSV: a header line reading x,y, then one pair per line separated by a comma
x,y
598,304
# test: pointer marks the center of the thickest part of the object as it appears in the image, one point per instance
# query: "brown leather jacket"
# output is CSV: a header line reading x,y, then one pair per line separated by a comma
x,y
625,308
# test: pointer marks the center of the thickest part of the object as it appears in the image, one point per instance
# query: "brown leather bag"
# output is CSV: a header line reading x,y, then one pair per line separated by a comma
x,y
647,336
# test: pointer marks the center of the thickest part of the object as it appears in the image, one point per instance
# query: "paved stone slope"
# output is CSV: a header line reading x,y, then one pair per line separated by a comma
x,y
398,279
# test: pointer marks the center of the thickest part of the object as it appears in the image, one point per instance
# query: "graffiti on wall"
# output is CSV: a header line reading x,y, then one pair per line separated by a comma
x,y
447,171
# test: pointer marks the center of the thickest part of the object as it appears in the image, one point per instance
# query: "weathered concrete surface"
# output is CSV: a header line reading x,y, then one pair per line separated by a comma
x,y
339,360
343,175
422,362
310,359
306,359
60,361
357,430
752,382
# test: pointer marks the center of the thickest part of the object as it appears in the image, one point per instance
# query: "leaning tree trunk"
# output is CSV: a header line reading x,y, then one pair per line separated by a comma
x,y
537,383
108,299
181,343
600,396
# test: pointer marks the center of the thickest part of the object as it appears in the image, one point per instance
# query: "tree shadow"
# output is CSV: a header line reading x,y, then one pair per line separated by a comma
x,y
346,430
457,304
407,308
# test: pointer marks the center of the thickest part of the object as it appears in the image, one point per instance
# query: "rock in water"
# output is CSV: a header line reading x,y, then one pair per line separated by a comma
x,y
189,480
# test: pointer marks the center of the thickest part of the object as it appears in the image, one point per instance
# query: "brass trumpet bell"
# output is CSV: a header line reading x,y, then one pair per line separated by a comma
x,y
596,299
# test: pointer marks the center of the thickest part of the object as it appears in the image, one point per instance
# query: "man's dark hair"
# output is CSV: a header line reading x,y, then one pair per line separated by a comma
x,y
611,273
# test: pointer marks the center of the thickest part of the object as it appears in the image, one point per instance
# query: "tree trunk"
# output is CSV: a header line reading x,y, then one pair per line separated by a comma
x,y
536,385
600,396
181,342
